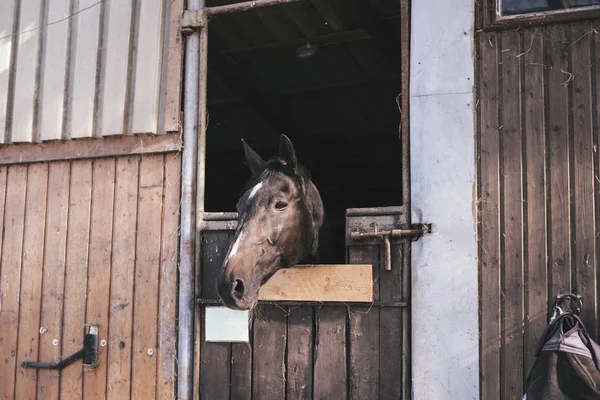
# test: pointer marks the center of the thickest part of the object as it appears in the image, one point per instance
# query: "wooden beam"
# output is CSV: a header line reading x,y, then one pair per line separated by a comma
x,y
89,148
332,283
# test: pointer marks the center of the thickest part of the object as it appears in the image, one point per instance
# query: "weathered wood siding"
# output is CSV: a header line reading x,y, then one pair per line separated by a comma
x,y
87,68
90,241
537,196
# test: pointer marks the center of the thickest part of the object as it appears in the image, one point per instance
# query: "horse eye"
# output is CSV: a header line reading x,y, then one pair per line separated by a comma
x,y
280,205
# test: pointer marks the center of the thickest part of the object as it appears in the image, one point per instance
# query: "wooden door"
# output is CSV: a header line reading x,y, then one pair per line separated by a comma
x,y
305,350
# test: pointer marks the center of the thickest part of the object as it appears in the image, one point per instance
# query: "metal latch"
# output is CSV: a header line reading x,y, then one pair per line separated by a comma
x,y
89,352
416,231
192,20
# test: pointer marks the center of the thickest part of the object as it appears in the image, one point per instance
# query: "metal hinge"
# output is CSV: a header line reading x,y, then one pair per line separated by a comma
x,y
192,20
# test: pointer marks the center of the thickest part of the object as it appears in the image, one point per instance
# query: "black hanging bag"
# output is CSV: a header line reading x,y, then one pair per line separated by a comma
x,y
568,360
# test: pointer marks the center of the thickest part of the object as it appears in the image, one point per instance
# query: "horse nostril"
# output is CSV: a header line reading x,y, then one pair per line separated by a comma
x,y
237,290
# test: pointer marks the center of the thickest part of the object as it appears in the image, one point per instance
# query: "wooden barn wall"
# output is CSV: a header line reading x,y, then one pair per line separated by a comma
x,y
88,68
537,199
90,241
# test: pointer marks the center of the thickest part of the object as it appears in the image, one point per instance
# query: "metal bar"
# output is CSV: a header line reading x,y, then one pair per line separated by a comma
x,y
217,302
185,345
220,216
247,5
375,211
387,253
394,233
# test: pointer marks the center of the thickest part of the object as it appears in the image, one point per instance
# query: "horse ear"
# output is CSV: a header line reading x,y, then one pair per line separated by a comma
x,y
315,207
255,162
287,154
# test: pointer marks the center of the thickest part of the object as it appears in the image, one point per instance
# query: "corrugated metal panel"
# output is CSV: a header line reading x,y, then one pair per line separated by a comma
x,y
88,68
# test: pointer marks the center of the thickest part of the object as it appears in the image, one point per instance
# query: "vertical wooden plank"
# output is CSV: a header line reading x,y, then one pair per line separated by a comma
x,y
25,90
114,92
557,130
174,68
536,279
392,345
511,224
122,278
300,353
145,306
99,267
595,48
489,214
167,328
269,344
78,240
364,353
83,69
365,329
583,163
215,367
330,372
54,275
8,24
54,71
10,273
148,67
31,277
241,371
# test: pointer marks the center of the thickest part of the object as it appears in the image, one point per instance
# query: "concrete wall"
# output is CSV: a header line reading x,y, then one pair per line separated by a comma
x,y
444,266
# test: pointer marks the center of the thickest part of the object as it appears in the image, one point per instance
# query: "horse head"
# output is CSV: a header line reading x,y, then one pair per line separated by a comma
x,y
279,217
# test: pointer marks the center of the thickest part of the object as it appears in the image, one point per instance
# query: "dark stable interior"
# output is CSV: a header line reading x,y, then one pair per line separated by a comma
x,y
327,73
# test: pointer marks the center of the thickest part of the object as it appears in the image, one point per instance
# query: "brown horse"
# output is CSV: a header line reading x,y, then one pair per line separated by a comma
x,y
279,218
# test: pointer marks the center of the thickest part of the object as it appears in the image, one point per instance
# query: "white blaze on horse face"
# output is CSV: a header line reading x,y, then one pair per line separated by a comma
x,y
235,246
255,190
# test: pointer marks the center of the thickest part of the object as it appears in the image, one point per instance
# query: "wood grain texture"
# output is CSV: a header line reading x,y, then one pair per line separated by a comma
x,y
10,271
343,283
167,307
584,265
121,304
54,276
300,349
148,247
558,152
489,216
269,344
536,278
330,354
511,224
89,148
31,277
99,267
241,371
78,240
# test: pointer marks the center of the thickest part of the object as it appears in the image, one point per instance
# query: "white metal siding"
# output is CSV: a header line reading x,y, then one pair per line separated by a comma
x,y
84,68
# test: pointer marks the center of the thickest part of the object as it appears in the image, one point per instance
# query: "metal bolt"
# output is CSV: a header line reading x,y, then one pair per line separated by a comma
x,y
150,352
55,342
103,343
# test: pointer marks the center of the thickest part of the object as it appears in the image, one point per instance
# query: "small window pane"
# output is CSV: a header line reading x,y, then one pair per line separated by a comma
x,y
511,7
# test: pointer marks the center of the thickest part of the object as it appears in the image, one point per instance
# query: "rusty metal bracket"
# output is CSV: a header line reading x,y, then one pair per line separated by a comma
x,y
415,232
192,20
